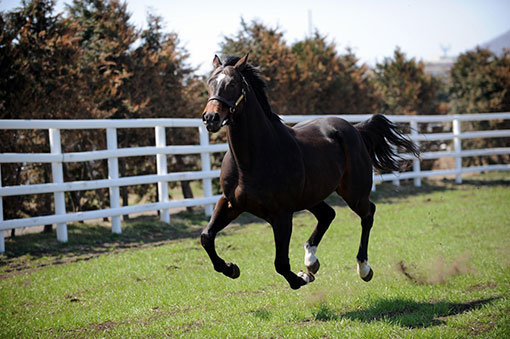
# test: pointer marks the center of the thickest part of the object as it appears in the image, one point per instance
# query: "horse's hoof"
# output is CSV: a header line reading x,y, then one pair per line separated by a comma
x,y
307,277
234,271
369,276
313,268
295,287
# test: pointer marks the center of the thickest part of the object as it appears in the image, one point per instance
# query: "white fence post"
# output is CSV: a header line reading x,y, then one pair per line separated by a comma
x,y
416,161
113,173
162,169
457,145
57,174
2,239
206,166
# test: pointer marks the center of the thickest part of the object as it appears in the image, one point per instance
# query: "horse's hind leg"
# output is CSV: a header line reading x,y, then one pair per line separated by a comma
x,y
325,215
366,210
223,214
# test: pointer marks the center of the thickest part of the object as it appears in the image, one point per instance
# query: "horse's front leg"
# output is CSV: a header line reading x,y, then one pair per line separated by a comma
x,y
223,214
282,230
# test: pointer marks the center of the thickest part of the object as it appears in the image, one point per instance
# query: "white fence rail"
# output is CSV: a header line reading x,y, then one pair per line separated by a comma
x,y
58,187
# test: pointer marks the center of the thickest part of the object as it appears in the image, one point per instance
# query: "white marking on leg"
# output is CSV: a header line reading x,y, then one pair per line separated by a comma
x,y
310,257
363,268
304,276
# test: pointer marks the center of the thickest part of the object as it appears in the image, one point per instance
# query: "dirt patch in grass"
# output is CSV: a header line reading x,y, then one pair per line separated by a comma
x,y
91,328
252,292
439,271
479,328
483,286
158,313
155,314
105,326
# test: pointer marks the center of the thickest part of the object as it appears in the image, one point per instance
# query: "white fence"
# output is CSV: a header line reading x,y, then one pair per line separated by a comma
x,y
58,187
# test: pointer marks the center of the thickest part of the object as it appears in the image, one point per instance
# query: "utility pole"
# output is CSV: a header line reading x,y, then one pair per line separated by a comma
x,y
310,24
445,49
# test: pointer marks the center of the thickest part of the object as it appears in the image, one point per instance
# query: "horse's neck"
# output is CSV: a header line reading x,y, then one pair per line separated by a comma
x,y
252,137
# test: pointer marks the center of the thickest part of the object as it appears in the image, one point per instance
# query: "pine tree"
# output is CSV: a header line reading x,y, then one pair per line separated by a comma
x,y
480,82
308,77
404,88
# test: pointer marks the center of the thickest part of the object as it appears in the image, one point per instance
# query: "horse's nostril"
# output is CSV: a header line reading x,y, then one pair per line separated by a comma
x,y
216,117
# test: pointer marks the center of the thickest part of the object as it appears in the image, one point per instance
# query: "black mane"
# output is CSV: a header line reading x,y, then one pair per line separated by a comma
x,y
254,79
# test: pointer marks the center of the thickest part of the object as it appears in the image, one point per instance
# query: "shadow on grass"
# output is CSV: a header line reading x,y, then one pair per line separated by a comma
x,y
386,192
411,314
86,241
94,239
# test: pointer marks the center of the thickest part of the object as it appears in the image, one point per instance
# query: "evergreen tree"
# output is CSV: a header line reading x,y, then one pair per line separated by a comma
x,y
480,82
40,62
404,88
269,51
106,36
309,77
84,66
331,83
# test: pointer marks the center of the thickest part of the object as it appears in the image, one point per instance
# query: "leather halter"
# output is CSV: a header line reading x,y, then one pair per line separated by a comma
x,y
230,103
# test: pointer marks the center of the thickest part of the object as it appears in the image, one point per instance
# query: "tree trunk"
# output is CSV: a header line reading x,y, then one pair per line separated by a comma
x,y
185,185
124,192
47,203
187,193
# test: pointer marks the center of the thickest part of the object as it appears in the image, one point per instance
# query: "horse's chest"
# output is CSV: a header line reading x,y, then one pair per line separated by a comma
x,y
266,186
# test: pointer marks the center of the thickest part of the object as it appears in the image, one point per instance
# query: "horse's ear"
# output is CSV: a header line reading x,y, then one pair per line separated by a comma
x,y
216,62
241,64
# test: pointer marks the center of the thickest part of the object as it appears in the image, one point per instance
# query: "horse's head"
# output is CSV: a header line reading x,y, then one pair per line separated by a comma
x,y
227,91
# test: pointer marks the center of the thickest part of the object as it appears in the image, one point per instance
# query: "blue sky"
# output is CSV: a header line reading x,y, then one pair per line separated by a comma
x,y
371,28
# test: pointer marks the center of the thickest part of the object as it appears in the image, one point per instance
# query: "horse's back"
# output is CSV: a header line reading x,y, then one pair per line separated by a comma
x,y
334,154
331,130
327,127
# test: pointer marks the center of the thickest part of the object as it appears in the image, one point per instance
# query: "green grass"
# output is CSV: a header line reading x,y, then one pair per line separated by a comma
x,y
440,254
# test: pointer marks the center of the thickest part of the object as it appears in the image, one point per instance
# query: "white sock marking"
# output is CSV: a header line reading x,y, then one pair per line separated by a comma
x,y
363,268
310,257
304,276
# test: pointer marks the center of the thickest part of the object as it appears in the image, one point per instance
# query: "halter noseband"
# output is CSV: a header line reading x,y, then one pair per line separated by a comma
x,y
231,104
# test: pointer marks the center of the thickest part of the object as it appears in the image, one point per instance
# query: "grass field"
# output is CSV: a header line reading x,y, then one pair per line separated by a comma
x,y
440,254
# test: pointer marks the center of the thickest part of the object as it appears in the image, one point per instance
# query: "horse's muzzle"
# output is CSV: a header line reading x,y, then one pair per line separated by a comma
x,y
212,121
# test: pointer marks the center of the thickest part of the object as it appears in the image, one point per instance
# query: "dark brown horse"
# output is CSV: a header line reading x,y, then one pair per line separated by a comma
x,y
272,170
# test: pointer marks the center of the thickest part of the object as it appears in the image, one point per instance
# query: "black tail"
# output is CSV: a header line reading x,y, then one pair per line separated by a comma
x,y
379,134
